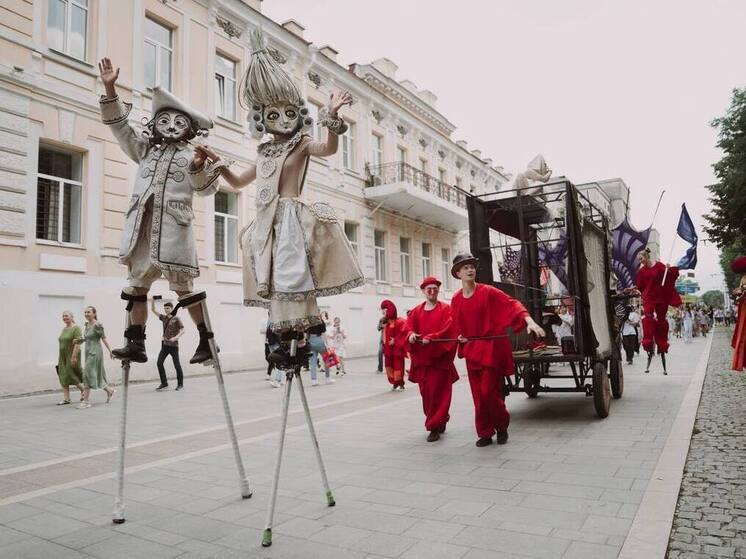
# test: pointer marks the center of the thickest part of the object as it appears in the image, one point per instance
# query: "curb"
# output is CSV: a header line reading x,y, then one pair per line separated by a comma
x,y
651,528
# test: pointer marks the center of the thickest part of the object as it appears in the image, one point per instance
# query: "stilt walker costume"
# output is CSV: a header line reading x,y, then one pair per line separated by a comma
x,y
656,298
739,334
394,345
432,367
158,239
293,252
483,311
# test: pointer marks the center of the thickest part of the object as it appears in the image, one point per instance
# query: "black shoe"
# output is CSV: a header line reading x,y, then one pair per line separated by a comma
x,y
441,430
179,387
433,436
501,437
135,348
161,387
202,353
484,441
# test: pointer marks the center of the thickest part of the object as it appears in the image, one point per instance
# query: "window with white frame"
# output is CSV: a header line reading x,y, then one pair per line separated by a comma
x,y
405,260
225,87
423,165
426,259
376,149
442,175
379,243
313,111
157,54
67,26
401,154
348,147
226,227
58,196
352,231
445,270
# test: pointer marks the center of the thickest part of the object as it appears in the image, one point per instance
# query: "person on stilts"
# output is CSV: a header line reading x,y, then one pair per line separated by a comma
x,y
483,311
394,345
655,284
432,365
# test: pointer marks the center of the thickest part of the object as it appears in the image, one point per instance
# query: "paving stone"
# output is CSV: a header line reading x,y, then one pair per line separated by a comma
x,y
36,548
583,550
47,526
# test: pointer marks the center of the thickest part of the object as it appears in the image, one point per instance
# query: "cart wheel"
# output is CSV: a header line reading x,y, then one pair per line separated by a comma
x,y
616,376
531,379
601,390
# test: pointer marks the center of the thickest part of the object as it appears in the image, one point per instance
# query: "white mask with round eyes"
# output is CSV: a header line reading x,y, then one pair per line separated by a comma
x,y
172,125
282,118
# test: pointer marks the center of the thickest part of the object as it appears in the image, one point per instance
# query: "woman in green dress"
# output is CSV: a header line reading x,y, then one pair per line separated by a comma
x,y
68,366
94,375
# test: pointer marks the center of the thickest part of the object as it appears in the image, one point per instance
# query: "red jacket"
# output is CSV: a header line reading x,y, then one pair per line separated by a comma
x,y
431,324
487,312
649,280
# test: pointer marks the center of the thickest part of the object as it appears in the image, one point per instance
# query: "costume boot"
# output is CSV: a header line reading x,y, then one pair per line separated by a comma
x,y
203,353
650,358
663,360
135,348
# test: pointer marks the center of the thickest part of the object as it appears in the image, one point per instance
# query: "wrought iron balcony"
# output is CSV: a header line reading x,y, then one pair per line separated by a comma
x,y
407,190
389,173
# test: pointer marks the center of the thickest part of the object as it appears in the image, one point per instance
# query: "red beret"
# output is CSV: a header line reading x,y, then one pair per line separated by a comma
x,y
430,280
739,265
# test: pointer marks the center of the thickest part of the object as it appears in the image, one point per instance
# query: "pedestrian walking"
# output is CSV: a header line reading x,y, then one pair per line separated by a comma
x,y
318,348
94,373
173,329
432,367
687,324
381,325
629,335
480,311
338,343
264,330
68,364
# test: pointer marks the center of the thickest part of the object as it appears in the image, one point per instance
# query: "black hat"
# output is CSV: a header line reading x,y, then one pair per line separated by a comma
x,y
460,260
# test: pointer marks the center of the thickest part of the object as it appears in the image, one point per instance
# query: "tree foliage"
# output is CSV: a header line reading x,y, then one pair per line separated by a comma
x,y
713,298
727,223
727,255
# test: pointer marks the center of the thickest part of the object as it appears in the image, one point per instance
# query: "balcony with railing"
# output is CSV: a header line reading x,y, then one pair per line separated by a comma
x,y
404,189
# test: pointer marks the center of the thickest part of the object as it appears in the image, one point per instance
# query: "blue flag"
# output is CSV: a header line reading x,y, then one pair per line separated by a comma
x,y
686,231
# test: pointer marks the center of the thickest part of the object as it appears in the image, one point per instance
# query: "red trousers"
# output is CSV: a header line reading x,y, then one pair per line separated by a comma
x,y
436,389
394,369
490,413
654,327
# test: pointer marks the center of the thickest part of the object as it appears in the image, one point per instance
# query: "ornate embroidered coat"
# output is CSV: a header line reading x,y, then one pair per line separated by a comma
x,y
331,260
166,177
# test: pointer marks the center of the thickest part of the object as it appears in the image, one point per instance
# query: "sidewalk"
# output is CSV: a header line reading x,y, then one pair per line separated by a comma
x,y
566,485
710,518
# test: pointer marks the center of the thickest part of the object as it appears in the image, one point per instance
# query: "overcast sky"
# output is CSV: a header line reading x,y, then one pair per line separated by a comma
x,y
601,88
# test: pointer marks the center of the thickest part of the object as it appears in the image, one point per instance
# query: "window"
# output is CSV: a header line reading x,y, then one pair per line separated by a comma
x,y
157,54
313,112
405,258
351,231
58,196
426,257
225,87
67,23
401,154
226,227
445,271
348,147
379,241
376,153
458,182
442,175
423,165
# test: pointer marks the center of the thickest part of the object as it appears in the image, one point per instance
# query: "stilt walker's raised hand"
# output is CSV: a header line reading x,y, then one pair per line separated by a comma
x,y
338,101
109,76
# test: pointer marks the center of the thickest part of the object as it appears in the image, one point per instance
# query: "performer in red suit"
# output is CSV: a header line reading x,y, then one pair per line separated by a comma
x,y
432,363
739,334
394,345
481,310
656,298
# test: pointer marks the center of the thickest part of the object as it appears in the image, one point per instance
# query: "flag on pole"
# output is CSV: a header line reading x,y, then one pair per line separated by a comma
x,y
686,231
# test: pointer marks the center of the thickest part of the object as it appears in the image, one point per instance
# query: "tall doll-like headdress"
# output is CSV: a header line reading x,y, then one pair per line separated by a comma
x,y
266,83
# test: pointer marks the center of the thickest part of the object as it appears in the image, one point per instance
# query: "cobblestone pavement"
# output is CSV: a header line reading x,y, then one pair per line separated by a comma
x,y
567,485
710,519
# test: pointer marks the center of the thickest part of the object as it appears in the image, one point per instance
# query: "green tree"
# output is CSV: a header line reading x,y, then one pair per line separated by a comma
x,y
713,298
727,222
727,255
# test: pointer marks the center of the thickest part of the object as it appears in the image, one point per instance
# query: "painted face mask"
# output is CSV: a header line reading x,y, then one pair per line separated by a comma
x,y
172,126
282,118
